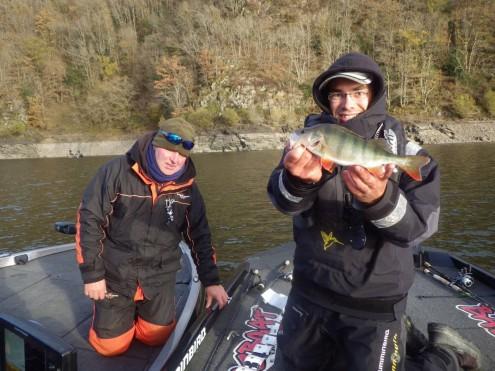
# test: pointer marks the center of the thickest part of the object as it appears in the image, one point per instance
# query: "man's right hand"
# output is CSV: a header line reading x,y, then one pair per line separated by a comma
x,y
303,164
96,290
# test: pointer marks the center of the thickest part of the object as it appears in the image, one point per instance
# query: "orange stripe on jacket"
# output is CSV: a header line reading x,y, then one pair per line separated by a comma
x,y
193,246
79,256
151,334
169,186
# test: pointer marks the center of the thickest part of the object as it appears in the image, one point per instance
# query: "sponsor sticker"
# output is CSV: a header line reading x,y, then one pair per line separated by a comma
x,y
257,349
485,316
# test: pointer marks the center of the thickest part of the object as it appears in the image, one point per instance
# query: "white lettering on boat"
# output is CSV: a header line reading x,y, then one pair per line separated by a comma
x,y
192,349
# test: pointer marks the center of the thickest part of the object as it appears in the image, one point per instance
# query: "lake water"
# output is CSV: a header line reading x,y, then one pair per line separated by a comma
x,y
38,192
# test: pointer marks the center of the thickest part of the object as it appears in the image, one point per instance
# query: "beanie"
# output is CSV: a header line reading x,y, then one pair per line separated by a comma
x,y
177,126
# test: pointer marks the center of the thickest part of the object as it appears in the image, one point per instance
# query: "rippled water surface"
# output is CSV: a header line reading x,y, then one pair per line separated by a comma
x,y
36,193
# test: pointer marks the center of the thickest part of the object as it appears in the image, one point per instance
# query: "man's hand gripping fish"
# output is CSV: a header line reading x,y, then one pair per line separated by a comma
x,y
335,144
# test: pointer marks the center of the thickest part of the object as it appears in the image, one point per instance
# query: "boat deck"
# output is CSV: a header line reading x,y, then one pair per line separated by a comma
x,y
432,301
49,291
250,322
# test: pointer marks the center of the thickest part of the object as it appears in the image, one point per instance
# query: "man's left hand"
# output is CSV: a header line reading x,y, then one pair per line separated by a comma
x,y
367,187
217,293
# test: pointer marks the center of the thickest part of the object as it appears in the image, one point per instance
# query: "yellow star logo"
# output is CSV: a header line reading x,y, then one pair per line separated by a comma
x,y
328,240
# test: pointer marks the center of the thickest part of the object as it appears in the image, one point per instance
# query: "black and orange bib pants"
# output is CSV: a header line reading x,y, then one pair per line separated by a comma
x,y
118,319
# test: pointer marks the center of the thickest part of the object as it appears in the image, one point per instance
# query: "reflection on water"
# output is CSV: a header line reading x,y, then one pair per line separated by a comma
x,y
467,223
36,193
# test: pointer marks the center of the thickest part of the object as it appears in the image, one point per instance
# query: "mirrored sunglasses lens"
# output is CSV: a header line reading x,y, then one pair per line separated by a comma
x,y
188,145
173,138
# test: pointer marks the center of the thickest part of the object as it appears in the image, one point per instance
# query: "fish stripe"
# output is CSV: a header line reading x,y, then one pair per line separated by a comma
x,y
349,147
339,147
363,149
373,155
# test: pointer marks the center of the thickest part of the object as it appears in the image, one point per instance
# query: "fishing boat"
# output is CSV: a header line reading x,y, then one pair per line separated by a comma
x,y
45,318
43,313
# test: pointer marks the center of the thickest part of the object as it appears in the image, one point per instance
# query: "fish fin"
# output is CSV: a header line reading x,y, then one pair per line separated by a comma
x,y
412,166
327,165
293,140
376,171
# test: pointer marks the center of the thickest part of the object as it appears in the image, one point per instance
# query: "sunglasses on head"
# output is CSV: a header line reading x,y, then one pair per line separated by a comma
x,y
177,139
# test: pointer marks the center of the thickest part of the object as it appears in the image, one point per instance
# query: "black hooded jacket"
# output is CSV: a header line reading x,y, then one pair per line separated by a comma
x,y
349,257
129,227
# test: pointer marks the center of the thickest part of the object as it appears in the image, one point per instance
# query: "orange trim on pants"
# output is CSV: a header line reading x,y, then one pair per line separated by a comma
x,y
151,334
111,347
139,294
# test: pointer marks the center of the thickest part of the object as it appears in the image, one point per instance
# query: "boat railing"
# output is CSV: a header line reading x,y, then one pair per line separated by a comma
x,y
23,257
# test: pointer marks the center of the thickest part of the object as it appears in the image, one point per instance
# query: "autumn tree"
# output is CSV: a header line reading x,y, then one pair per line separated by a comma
x,y
235,56
108,104
174,82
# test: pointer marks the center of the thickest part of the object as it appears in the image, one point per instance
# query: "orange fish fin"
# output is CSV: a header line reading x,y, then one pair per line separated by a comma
x,y
376,171
413,166
415,174
327,165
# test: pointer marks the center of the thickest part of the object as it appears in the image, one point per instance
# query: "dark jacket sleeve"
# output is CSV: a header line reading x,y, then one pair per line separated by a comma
x,y
289,194
92,220
408,212
198,237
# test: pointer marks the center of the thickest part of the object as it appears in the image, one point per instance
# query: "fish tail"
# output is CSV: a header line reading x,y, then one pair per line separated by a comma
x,y
412,165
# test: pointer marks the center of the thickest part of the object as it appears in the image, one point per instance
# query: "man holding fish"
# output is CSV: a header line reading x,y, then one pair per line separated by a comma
x,y
362,198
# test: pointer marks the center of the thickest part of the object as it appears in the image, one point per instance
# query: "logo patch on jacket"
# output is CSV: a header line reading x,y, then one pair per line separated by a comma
x,y
170,201
391,139
169,211
328,240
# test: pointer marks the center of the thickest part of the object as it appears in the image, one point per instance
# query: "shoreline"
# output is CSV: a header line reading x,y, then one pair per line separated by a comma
x,y
421,133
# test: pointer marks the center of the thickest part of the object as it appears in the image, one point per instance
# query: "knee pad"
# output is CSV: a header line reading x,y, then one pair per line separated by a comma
x,y
111,346
152,334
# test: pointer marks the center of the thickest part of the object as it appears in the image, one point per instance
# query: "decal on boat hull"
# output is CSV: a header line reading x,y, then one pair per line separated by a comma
x,y
259,345
192,349
485,316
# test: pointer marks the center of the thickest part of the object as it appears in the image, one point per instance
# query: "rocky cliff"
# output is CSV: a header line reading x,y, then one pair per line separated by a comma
x,y
424,133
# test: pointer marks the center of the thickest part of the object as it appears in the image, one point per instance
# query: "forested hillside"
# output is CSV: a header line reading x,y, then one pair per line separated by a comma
x,y
110,66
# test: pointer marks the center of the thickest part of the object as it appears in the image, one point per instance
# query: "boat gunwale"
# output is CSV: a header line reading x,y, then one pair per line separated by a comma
x,y
186,314
13,259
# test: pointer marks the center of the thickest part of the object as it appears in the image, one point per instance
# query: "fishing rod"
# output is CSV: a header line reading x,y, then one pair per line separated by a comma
x,y
461,285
